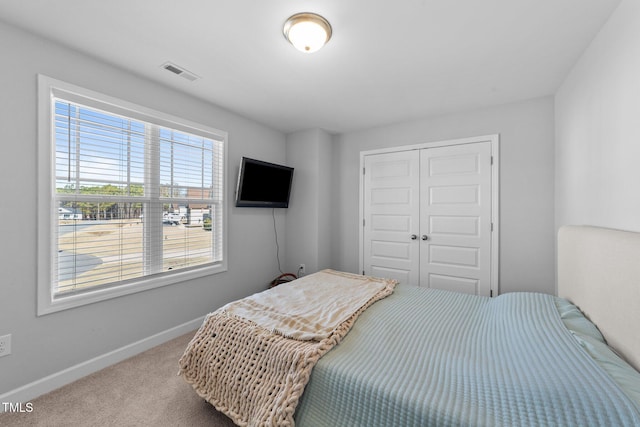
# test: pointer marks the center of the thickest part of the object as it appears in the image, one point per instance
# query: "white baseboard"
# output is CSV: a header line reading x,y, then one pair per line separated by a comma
x,y
45,385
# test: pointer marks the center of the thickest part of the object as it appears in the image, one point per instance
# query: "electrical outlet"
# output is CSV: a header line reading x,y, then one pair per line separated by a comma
x,y
301,269
5,345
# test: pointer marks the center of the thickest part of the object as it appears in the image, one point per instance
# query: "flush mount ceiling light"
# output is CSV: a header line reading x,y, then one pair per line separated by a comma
x,y
307,31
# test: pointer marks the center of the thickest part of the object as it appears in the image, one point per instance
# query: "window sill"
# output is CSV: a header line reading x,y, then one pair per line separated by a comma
x,y
47,304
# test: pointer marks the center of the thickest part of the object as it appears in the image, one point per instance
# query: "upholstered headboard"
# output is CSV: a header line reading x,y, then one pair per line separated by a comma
x,y
599,271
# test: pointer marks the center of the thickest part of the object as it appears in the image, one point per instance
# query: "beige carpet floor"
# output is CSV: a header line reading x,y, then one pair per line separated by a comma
x,y
144,390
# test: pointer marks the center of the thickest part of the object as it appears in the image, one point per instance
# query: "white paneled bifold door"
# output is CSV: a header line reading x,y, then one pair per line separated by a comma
x,y
427,216
392,216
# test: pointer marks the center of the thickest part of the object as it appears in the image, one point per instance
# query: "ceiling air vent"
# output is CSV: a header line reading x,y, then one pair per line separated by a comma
x,y
179,71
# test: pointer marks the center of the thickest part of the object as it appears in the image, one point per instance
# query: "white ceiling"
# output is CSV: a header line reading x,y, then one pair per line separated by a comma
x,y
387,62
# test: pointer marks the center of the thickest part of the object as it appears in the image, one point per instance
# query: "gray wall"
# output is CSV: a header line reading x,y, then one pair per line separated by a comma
x,y
49,344
527,250
308,216
598,129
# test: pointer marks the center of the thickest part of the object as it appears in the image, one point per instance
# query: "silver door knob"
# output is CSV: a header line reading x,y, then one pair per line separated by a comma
x,y
414,237
425,237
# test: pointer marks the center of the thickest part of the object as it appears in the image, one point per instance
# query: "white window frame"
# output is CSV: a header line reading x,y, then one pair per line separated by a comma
x,y
47,217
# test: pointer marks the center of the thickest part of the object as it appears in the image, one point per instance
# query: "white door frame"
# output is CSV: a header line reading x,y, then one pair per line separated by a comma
x,y
495,193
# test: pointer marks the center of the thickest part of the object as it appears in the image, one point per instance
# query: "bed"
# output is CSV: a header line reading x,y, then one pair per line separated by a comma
x,y
414,357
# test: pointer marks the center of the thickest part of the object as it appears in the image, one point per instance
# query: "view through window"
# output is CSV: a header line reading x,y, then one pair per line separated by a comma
x,y
133,198
116,180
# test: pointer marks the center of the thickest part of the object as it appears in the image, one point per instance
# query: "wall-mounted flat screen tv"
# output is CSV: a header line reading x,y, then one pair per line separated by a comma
x,y
263,184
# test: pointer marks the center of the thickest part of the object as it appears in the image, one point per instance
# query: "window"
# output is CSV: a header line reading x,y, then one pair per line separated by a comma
x,y
130,198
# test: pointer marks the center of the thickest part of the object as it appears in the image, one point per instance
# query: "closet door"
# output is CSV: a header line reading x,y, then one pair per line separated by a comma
x,y
391,216
455,218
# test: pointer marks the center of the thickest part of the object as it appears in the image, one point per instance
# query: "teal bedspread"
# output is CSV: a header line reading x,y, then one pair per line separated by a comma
x,y
426,357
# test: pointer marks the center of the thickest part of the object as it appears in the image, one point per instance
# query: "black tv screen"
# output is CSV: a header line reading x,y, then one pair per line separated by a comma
x,y
263,184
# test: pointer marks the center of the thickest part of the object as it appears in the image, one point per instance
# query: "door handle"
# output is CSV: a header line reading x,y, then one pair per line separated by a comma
x,y
425,237
414,237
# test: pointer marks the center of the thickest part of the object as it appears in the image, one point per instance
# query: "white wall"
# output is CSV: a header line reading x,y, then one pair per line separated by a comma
x,y
527,250
309,214
46,345
598,129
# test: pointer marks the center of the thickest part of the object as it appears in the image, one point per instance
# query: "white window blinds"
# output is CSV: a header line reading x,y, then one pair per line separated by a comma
x,y
133,197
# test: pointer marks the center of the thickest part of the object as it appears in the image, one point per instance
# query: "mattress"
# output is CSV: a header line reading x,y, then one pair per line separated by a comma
x,y
252,358
430,357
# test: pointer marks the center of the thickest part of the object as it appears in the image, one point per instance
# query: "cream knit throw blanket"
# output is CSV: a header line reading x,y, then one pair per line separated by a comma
x,y
252,358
